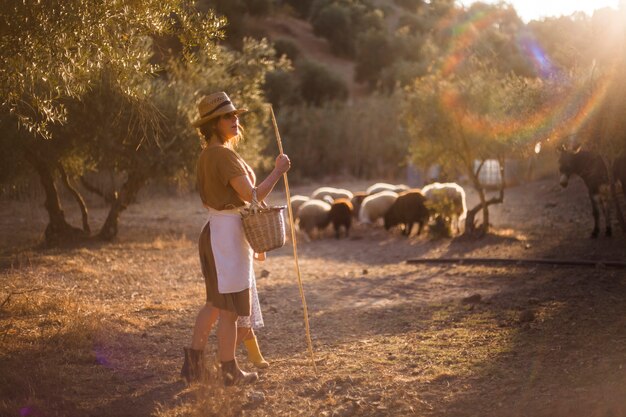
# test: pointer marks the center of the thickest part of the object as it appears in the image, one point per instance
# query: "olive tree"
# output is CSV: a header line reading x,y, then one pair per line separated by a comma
x,y
83,89
461,122
56,52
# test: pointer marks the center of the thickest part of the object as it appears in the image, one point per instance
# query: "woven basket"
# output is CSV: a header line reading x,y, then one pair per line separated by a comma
x,y
263,226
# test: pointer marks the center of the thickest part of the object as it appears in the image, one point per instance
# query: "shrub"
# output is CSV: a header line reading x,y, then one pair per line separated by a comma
x,y
317,84
281,87
374,52
302,7
288,48
259,7
335,24
401,73
415,24
364,139
411,5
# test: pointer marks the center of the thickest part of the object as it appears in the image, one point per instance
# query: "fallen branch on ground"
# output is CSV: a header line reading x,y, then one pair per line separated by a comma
x,y
513,261
6,300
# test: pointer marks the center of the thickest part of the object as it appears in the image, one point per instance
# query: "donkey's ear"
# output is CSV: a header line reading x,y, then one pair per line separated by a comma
x,y
576,147
561,148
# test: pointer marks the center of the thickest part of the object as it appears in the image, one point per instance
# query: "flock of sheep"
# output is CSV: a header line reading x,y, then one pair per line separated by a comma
x,y
396,205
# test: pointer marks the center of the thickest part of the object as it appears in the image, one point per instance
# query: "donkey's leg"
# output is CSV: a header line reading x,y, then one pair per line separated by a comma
x,y
596,214
606,210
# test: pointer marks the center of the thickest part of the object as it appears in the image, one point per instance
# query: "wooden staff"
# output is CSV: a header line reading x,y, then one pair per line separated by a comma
x,y
295,246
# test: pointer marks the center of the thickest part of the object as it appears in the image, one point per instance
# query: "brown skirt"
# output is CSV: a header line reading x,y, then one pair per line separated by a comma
x,y
238,302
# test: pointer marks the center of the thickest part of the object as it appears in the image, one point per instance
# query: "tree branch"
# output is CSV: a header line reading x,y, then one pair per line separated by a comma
x,y
79,199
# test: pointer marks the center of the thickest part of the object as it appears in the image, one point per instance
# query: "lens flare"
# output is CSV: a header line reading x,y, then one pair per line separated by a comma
x,y
102,355
537,56
562,116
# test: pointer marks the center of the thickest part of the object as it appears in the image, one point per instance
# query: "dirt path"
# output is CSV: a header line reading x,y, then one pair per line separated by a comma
x,y
103,331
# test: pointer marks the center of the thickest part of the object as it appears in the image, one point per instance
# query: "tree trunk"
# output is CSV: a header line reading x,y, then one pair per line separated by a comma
x,y
470,222
79,199
58,230
107,197
128,193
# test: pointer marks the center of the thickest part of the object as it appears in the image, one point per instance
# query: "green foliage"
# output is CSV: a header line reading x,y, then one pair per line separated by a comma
x,y
288,48
410,5
89,84
401,74
440,8
341,21
242,75
302,7
237,14
409,46
318,85
364,139
54,49
606,126
282,87
334,23
413,23
374,52
260,7
488,33
479,116
564,40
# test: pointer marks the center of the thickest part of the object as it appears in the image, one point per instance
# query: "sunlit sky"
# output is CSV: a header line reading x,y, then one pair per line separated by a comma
x,y
537,9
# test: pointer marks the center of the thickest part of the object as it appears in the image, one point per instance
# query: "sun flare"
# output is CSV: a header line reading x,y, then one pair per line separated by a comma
x,y
537,9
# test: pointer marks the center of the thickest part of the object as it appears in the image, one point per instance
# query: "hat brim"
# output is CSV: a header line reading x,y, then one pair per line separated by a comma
x,y
203,120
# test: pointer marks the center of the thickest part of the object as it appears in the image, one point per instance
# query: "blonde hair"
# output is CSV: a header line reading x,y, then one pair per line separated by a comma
x,y
209,129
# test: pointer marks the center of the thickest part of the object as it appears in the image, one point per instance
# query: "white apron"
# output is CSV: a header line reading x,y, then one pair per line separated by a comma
x,y
231,251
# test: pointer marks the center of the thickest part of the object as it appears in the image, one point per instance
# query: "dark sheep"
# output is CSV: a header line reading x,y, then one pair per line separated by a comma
x,y
409,208
341,215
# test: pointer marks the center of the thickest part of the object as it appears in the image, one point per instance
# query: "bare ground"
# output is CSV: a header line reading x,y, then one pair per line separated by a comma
x,y
99,330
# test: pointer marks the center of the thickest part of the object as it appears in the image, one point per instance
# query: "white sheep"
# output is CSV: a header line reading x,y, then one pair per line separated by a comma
x,y
333,192
313,214
447,200
383,186
376,205
356,201
296,202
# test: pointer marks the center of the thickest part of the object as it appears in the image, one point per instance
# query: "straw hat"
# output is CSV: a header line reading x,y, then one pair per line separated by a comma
x,y
214,105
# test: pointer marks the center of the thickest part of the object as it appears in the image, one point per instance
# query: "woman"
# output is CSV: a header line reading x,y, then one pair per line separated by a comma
x,y
225,183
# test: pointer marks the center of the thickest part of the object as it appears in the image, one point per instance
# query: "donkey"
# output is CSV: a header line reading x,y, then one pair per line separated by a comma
x,y
591,168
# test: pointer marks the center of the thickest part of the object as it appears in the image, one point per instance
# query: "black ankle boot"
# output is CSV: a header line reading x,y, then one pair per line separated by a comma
x,y
232,375
193,368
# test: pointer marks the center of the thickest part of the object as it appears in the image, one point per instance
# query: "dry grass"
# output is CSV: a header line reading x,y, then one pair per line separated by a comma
x,y
99,330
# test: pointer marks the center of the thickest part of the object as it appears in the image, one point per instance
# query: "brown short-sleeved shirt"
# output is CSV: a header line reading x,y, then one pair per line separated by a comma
x,y
216,167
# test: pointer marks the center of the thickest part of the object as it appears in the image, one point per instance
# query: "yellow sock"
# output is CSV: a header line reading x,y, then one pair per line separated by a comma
x,y
254,353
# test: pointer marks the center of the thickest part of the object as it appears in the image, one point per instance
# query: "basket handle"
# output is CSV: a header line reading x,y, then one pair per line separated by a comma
x,y
256,205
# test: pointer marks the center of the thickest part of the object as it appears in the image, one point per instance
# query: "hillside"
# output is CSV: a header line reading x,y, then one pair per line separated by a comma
x,y
312,48
284,25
